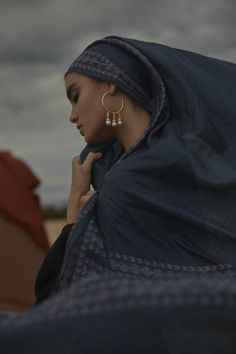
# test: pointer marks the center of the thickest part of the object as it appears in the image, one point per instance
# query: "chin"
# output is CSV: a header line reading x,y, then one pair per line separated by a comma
x,y
95,140
90,141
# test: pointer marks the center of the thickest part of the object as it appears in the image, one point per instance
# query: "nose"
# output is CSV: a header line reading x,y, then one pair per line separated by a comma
x,y
74,115
73,119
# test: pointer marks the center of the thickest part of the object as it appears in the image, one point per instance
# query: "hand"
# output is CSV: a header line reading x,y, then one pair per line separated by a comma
x,y
81,173
84,199
80,185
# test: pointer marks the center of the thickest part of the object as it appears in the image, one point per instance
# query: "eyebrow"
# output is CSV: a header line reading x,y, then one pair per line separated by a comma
x,y
70,90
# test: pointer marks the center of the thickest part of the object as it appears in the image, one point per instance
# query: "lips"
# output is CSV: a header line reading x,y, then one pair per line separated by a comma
x,y
79,128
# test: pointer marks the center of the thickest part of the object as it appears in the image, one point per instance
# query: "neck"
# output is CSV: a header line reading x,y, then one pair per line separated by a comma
x,y
135,121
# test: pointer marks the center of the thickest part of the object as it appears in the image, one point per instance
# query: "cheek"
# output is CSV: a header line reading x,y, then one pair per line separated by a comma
x,y
95,113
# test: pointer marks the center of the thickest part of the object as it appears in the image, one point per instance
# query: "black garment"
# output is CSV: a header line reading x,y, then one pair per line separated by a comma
x,y
50,268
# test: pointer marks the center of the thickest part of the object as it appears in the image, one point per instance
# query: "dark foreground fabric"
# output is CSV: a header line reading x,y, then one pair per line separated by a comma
x,y
112,314
149,265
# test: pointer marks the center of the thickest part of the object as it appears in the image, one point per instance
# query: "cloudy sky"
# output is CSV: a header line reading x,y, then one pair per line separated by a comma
x,y
40,39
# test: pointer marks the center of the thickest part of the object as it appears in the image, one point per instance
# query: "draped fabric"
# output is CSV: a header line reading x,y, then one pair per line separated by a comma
x,y
172,196
149,264
106,313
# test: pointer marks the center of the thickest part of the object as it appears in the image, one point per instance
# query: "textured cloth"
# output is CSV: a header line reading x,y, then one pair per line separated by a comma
x,y
103,61
149,264
180,177
106,313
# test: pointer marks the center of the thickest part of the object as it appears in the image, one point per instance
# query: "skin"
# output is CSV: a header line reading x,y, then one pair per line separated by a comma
x,y
85,96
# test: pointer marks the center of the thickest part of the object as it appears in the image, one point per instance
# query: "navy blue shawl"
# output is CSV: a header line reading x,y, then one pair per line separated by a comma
x,y
172,196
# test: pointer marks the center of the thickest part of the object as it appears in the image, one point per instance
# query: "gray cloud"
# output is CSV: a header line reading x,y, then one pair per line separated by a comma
x,y
46,30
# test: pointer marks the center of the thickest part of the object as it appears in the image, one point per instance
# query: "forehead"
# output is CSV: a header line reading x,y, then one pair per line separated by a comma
x,y
74,78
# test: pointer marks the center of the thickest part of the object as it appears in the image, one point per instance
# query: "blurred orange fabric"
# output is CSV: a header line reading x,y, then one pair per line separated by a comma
x,y
18,201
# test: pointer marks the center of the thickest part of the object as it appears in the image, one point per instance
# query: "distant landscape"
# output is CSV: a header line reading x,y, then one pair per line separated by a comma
x,y
54,212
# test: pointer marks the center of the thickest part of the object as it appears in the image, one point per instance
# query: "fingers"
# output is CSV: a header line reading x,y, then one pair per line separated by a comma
x,y
76,160
86,197
88,194
91,157
81,173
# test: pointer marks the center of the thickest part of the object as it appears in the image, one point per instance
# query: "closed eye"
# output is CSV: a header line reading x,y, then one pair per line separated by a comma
x,y
75,98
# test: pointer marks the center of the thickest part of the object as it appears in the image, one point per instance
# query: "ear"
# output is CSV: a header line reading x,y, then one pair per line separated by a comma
x,y
112,88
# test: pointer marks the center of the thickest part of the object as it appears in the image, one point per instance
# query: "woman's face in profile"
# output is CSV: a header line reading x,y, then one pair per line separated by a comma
x,y
85,96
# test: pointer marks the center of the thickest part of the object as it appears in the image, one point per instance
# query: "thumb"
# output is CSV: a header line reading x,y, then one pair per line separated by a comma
x,y
92,156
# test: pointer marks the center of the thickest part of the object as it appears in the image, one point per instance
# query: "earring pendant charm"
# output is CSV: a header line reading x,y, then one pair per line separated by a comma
x,y
119,120
114,124
108,122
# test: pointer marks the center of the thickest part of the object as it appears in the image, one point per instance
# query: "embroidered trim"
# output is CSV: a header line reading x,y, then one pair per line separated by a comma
x,y
104,293
92,258
93,61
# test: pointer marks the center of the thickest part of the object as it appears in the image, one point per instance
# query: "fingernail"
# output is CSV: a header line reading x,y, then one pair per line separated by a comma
x,y
99,154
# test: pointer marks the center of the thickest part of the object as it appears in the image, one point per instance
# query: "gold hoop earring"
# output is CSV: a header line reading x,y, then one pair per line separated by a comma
x,y
108,121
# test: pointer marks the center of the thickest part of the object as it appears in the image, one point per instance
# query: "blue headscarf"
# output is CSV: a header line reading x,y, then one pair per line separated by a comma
x,y
172,195
102,60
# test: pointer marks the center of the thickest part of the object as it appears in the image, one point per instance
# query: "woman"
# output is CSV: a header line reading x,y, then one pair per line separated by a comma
x,y
150,253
